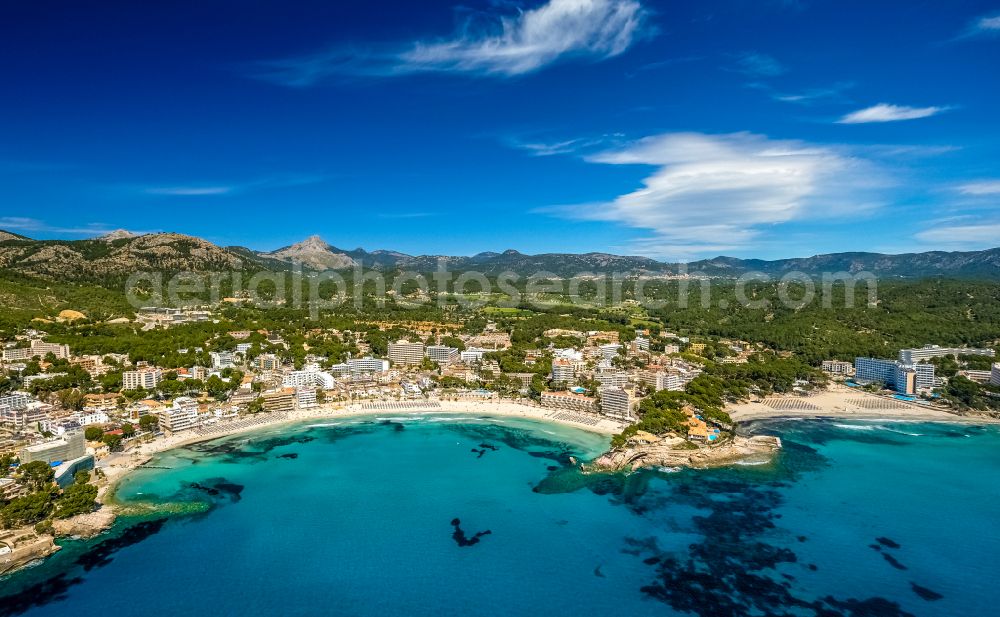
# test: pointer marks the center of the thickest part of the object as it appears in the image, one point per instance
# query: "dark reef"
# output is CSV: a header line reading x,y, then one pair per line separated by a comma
x,y
461,539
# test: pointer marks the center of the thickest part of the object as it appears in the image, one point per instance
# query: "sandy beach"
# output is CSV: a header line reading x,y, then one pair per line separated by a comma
x,y
117,465
840,401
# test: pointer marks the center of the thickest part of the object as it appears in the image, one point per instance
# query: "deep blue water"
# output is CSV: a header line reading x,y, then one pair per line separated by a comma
x,y
357,518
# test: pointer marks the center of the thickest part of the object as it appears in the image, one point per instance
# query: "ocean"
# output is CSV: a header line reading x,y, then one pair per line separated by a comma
x,y
433,514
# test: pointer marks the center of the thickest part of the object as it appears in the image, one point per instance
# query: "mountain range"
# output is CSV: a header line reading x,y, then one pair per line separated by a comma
x,y
121,252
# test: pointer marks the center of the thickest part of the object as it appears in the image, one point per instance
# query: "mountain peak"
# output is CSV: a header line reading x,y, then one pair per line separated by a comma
x,y
315,253
313,242
118,234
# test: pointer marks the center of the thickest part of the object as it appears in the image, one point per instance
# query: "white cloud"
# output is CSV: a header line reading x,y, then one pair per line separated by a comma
x,y
268,182
758,65
535,38
721,192
983,187
21,224
811,95
537,147
988,24
493,44
190,190
883,112
964,236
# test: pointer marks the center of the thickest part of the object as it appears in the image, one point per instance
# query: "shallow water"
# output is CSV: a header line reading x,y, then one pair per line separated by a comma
x,y
359,518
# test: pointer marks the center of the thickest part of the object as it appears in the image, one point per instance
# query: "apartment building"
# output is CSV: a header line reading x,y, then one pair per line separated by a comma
x,y
569,402
36,348
305,398
268,362
442,354
146,378
837,367
309,377
563,371
914,356
610,351
368,364
904,378
180,416
995,374
977,376
611,377
19,410
405,352
472,354
281,400
66,448
662,380
222,359
618,403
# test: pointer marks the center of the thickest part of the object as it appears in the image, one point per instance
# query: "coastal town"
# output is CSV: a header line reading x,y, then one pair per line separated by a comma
x,y
74,422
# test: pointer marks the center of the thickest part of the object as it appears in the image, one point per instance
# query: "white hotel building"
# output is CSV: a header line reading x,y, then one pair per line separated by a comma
x,y
405,352
913,356
442,354
145,378
181,416
618,403
368,364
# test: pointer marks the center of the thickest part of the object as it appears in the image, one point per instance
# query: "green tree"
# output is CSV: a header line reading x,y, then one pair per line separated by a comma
x,y
128,430
79,498
26,510
256,405
93,433
113,441
6,460
35,475
148,422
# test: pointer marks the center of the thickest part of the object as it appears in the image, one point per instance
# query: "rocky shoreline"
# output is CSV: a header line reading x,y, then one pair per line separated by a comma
x,y
679,452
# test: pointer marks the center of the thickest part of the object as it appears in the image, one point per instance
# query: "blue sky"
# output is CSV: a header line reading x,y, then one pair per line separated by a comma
x,y
752,128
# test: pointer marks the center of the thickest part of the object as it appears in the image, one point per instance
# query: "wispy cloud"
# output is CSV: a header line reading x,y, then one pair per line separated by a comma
x,y
206,190
982,187
190,190
884,112
538,147
26,225
813,95
984,25
756,64
711,193
491,44
968,237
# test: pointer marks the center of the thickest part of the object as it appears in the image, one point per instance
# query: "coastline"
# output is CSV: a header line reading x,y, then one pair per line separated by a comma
x,y
843,403
117,466
837,402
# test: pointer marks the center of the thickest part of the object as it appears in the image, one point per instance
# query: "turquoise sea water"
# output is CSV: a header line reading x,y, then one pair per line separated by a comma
x,y
357,517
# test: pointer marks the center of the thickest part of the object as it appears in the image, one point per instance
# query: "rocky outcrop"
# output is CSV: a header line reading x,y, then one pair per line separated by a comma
x,y
678,452
313,253
85,525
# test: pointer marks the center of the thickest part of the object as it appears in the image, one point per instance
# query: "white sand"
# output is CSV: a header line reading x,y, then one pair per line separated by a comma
x,y
117,465
842,402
